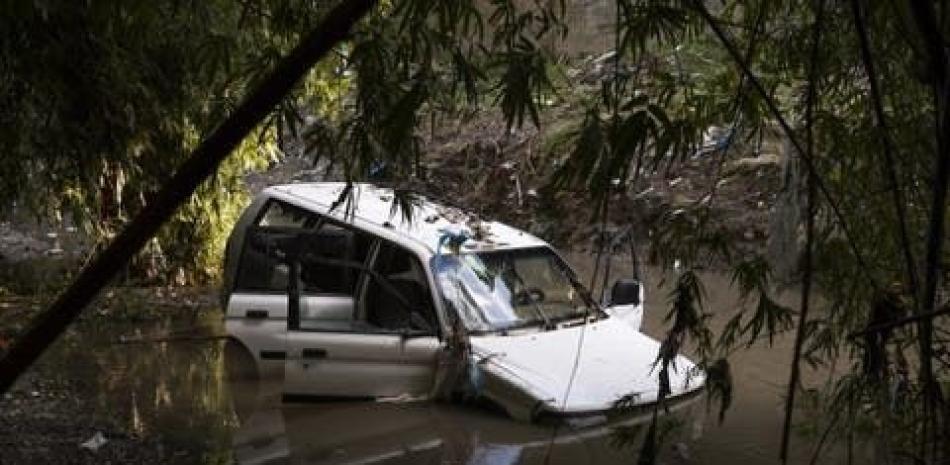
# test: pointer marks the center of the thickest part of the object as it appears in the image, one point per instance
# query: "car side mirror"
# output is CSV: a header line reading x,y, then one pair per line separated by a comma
x,y
625,292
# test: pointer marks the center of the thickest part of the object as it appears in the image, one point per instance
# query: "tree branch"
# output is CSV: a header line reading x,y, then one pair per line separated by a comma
x,y
809,233
203,162
889,161
945,310
938,63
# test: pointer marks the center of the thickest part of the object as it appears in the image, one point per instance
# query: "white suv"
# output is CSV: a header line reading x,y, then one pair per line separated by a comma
x,y
365,301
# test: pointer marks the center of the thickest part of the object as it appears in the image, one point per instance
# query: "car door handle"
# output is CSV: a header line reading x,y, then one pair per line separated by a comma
x,y
257,314
313,353
273,355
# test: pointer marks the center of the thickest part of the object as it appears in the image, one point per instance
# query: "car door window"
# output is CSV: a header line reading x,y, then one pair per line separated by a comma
x,y
332,266
284,215
334,261
396,290
262,268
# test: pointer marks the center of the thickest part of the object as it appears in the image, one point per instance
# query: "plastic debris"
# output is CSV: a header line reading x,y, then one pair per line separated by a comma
x,y
645,193
682,450
95,442
454,236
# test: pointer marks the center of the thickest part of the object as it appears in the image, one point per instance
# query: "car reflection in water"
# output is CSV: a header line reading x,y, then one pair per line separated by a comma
x,y
273,431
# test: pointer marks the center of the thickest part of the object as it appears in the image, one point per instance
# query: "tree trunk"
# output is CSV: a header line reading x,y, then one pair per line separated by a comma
x,y
203,162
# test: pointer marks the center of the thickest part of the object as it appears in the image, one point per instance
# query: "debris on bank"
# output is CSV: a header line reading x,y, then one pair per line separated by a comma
x,y
481,163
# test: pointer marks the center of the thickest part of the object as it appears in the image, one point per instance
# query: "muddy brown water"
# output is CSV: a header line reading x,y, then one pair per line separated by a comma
x,y
180,391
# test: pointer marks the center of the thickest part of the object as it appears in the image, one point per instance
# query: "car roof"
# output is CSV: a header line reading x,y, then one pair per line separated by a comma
x,y
372,209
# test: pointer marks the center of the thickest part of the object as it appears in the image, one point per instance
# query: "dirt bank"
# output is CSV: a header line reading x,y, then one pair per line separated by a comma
x,y
504,174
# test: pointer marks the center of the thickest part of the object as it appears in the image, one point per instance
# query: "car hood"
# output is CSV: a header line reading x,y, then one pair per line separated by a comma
x,y
585,368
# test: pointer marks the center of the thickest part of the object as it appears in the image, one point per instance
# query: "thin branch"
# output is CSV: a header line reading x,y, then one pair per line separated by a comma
x,y
809,233
938,64
736,105
925,347
824,437
202,163
945,310
889,161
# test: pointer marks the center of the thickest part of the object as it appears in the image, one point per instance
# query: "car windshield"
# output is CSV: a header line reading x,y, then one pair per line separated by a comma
x,y
506,289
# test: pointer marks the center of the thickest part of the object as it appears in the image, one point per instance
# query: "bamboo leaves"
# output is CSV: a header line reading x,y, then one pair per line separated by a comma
x,y
751,278
688,321
522,63
522,85
719,386
609,149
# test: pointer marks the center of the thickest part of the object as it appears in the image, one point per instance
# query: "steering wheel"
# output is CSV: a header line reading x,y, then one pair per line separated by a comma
x,y
529,295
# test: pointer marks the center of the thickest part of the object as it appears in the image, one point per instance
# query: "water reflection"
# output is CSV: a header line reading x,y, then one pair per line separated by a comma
x,y
396,433
176,391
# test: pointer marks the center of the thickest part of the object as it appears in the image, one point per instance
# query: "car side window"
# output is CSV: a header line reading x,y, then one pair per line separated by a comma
x,y
332,264
261,268
397,289
283,215
331,260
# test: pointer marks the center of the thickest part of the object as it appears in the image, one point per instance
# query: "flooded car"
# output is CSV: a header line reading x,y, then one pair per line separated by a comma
x,y
343,293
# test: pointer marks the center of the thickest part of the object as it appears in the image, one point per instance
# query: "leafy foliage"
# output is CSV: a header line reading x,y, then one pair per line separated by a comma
x,y
668,59
719,385
112,96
